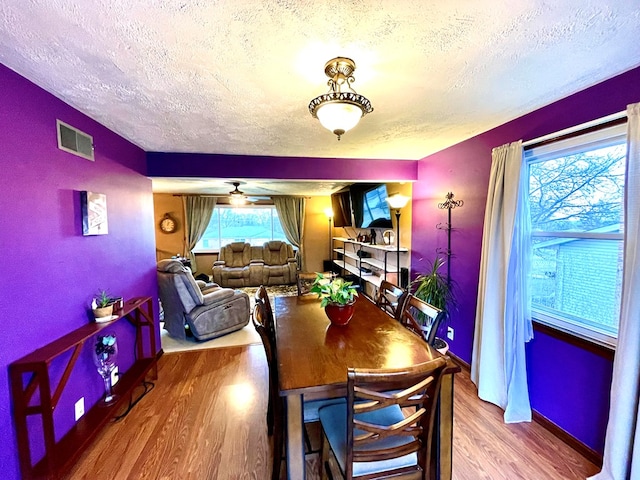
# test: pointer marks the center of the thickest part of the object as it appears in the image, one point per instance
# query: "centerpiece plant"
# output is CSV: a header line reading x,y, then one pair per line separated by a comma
x,y
337,297
335,291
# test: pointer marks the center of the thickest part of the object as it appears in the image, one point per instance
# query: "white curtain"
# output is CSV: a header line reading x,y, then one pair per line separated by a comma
x,y
622,444
198,213
503,313
291,211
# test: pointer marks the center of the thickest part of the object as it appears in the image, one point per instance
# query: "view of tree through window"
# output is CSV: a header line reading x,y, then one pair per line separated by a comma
x,y
576,205
254,225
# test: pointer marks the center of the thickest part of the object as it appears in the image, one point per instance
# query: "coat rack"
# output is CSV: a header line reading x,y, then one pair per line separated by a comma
x,y
449,204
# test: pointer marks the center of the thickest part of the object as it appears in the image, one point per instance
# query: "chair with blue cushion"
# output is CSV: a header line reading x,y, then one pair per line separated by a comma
x,y
390,298
264,324
422,318
371,436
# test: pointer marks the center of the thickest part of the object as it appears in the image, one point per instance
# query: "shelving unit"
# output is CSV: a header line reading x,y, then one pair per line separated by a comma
x,y
350,258
60,455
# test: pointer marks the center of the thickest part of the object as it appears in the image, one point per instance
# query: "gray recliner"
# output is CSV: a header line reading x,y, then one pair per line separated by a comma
x,y
210,315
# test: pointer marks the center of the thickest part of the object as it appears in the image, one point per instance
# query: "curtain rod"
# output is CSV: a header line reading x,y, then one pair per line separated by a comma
x,y
608,121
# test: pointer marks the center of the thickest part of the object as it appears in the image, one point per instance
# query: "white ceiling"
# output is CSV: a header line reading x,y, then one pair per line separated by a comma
x,y
236,76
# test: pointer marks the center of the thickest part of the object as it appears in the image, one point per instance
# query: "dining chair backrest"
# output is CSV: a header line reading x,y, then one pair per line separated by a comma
x,y
275,409
372,398
421,317
261,296
390,298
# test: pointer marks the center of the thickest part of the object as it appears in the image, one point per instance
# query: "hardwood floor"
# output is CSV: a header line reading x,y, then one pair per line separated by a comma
x,y
205,419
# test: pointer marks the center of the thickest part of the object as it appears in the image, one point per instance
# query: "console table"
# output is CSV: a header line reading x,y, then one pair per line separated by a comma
x,y
60,455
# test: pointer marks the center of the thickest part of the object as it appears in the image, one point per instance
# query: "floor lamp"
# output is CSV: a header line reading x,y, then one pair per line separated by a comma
x,y
398,202
329,213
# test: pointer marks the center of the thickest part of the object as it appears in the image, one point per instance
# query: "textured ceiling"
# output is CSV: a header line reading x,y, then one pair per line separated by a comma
x,y
236,76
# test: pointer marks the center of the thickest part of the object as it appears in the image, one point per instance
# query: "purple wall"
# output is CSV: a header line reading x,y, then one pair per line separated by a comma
x,y
564,392
294,168
50,270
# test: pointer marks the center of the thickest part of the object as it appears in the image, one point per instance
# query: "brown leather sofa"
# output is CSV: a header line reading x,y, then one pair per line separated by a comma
x,y
241,265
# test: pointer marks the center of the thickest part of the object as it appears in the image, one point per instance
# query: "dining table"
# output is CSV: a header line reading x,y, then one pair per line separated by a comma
x,y
313,357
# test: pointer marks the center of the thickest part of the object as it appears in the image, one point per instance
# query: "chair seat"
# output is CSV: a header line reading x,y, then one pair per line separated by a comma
x,y
334,423
312,408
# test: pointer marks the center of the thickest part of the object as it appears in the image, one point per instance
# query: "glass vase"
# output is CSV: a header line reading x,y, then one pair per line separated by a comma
x,y
105,354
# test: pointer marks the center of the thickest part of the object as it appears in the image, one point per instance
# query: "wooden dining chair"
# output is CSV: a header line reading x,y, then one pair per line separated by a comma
x,y
371,436
275,408
264,323
390,298
262,295
421,318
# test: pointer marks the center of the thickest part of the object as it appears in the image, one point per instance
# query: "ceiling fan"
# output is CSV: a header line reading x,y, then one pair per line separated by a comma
x,y
238,197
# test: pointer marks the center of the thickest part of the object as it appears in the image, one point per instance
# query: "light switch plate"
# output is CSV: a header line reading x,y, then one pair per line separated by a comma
x,y
450,333
79,408
114,376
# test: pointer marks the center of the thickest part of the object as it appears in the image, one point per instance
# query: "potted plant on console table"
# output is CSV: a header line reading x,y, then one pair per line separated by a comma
x,y
338,298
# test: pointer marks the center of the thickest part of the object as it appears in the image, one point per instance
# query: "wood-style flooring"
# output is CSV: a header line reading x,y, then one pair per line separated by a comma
x,y
205,419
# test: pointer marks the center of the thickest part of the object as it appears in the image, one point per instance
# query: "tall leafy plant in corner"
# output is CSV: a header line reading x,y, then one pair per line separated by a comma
x,y
433,287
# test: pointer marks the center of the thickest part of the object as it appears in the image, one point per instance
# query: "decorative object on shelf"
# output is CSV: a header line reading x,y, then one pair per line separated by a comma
x,y
337,298
436,289
388,237
398,202
339,111
102,305
94,213
449,204
373,237
168,224
105,354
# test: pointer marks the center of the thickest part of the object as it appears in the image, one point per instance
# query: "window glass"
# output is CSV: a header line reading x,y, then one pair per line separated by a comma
x,y
253,224
576,193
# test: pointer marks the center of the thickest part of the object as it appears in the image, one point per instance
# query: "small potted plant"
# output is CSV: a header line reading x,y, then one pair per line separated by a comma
x,y
102,306
338,298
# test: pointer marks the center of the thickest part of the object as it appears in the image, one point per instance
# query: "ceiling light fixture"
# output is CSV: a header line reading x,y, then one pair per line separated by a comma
x,y
339,111
236,197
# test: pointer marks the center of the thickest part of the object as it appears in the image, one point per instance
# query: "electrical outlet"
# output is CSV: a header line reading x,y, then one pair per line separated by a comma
x,y
450,333
114,376
79,408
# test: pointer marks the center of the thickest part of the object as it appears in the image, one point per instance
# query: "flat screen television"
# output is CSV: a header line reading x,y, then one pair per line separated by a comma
x,y
341,206
370,207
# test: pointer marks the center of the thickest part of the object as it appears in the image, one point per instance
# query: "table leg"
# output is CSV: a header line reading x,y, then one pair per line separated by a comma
x,y
295,438
445,430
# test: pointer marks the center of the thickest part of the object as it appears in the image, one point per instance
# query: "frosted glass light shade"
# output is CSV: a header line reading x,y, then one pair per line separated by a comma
x,y
397,201
339,117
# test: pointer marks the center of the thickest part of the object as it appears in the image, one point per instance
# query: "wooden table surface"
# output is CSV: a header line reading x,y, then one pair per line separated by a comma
x,y
314,355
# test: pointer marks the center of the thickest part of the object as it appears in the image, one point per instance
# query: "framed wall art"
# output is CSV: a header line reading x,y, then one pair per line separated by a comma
x,y
94,213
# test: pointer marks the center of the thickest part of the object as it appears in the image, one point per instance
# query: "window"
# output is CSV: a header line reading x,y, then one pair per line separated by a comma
x,y
254,225
576,192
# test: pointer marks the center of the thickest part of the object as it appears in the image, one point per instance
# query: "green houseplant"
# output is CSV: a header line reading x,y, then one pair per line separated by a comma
x,y
435,288
337,298
102,305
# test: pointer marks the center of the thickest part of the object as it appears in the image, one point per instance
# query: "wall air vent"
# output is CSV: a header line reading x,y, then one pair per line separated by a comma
x,y
74,141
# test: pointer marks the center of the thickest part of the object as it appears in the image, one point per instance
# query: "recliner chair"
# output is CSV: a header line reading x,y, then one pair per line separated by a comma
x,y
210,315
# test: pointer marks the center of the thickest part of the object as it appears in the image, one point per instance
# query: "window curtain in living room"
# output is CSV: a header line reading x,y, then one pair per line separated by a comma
x,y
622,442
503,312
198,211
291,214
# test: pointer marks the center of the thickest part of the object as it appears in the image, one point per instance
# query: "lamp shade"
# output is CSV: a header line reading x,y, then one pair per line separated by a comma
x,y
397,201
339,117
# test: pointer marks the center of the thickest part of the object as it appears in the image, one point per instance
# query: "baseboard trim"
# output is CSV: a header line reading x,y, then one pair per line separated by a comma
x,y
584,450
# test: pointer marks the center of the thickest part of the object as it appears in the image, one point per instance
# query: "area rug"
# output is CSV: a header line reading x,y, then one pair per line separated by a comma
x,y
244,336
